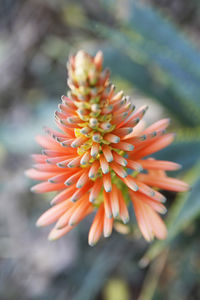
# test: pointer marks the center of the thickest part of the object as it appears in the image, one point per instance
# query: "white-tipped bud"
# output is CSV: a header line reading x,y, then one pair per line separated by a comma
x,y
93,122
95,108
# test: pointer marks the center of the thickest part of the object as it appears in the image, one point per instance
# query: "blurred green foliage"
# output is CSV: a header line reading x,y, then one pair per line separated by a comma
x,y
144,52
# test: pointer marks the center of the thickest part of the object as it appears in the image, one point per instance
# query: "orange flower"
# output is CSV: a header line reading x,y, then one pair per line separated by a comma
x,y
97,158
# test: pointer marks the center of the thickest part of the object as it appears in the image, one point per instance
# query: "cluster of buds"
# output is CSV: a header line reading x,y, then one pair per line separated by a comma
x,y
96,160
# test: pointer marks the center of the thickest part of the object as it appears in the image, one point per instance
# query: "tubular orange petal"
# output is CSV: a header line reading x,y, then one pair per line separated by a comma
x,y
65,194
107,153
39,158
46,187
159,125
149,221
114,201
107,205
95,191
159,165
130,182
124,146
38,175
53,213
123,211
96,228
74,177
82,180
166,183
118,169
159,144
119,159
80,192
107,182
104,164
107,226
94,169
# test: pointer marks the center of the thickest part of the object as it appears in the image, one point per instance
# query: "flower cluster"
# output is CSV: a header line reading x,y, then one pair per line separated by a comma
x,y
96,159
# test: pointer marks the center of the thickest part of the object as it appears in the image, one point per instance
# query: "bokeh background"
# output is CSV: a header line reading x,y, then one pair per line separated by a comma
x,y
152,48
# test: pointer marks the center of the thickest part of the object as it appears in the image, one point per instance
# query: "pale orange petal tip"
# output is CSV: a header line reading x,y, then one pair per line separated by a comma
x,y
39,223
52,236
92,243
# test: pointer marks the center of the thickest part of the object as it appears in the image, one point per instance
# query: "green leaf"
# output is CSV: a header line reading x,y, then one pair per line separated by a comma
x,y
157,59
17,138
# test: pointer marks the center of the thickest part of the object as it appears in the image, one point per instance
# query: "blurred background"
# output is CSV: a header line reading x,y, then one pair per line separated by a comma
x,y
152,48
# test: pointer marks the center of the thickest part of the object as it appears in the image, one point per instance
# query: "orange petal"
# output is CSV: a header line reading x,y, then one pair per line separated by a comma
x,y
85,158
137,129
119,170
123,211
66,142
94,169
149,221
107,205
134,165
123,132
53,213
77,214
155,146
83,179
94,150
107,226
135,117
54,133
67,101
59,178
39,158
58,159
114,201
48,168
159,125
95,191
74,162
48,143
98,59
96,227
104,164
78,141
119,159
66,109
107,182
153,164
148,191
119,118
130,182
80,192
107,153
123,146
73,177
57,233
46,187
64,195
64,219
52,153
166,183
38,175
117,97
111,138
157,206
